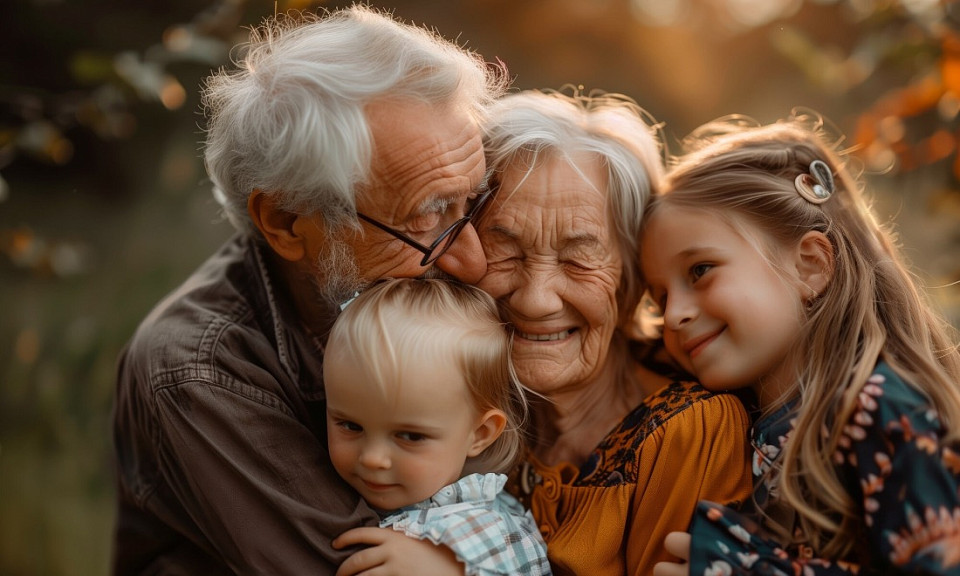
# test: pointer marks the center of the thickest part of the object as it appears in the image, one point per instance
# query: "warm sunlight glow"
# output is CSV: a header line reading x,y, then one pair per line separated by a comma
x,y
177,38
753,13
659,12
924,9
172,94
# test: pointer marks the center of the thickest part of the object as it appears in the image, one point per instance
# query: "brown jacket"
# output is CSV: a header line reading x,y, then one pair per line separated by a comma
x,y
220,434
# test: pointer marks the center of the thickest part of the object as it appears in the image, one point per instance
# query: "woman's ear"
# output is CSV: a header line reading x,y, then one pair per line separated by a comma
x,y
491,425
278,226
815,262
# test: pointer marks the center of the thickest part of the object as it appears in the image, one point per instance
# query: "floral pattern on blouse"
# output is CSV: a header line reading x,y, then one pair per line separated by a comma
x,y
890,459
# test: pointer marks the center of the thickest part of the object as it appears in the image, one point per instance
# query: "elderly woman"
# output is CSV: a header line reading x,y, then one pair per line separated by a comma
x,y
619,454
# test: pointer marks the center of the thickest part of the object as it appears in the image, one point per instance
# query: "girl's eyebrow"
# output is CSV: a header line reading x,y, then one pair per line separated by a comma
x,y
690,252
694,251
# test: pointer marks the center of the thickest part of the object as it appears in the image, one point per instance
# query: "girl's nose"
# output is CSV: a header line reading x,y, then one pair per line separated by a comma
x,y
679,311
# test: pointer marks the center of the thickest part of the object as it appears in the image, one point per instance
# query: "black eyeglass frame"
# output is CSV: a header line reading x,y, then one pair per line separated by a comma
x,y
438,248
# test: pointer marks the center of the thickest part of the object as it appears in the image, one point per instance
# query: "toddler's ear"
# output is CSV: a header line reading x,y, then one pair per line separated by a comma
x,y
491,425
815,262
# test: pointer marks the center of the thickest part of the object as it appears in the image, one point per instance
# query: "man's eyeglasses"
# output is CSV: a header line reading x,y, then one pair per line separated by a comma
x,y
446,238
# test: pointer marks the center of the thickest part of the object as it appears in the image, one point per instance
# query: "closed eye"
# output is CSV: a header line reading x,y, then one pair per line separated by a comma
x,y
579,265
425,222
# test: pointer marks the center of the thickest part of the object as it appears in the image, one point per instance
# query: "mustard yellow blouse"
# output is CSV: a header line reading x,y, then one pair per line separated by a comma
x,y
643,481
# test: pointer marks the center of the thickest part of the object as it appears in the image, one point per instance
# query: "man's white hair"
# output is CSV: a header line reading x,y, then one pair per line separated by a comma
x,y
289,119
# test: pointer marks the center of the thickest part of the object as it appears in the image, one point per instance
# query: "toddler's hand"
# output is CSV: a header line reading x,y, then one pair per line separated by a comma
x,y
392,553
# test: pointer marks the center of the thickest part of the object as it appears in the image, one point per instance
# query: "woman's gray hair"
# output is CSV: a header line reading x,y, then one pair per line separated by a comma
x,y
289,119
529,125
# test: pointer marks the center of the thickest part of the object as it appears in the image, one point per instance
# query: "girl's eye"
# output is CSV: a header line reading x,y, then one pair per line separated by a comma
x,y
411,436
698,270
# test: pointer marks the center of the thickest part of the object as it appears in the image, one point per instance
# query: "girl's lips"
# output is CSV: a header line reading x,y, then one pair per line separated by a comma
x,y
563,335
695,346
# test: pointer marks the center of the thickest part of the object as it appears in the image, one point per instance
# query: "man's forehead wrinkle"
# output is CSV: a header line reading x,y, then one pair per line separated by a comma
x,y
459,149
446,177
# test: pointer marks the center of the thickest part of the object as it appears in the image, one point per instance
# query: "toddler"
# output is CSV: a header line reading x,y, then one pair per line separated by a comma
x,y
424,416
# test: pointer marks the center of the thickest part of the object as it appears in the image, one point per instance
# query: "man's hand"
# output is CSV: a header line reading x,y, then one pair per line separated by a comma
x,y
392,553
678,544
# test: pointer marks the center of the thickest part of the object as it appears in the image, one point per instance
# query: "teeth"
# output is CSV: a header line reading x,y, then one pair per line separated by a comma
x,y
544,337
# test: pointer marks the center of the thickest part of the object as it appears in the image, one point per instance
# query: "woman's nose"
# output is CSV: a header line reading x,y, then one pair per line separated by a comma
x,y
538,293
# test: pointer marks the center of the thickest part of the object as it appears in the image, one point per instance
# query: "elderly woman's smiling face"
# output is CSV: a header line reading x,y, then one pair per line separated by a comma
x,y
554,265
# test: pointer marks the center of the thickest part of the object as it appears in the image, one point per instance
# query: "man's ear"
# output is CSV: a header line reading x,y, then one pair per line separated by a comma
x,y
278,226
815,262
489,429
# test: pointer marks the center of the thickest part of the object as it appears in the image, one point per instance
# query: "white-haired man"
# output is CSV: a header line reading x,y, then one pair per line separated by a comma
x,y
344,148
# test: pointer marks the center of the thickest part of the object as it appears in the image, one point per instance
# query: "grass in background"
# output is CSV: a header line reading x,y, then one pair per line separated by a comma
x,y
59,341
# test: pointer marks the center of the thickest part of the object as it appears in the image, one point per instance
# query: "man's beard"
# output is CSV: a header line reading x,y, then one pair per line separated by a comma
x,y
434,272
337,277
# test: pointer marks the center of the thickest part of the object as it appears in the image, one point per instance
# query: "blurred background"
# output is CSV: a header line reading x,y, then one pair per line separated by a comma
x,y
104,206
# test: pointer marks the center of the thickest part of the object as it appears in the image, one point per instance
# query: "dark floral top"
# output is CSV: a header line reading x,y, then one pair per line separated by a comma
x,y
892,462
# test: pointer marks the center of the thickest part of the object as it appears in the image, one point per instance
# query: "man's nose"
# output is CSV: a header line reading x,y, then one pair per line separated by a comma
x,y
464,260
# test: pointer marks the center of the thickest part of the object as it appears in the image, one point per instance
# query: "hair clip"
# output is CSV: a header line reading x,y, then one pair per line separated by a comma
x,y
816,186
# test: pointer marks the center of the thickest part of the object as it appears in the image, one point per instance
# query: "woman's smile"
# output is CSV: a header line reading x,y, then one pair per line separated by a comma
x,y
562,335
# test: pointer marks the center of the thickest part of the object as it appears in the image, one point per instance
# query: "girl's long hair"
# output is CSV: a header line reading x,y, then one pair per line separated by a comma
x,y
872,309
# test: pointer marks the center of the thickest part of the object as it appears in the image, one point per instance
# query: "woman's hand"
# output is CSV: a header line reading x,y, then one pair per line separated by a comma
x,y
392,553
678,544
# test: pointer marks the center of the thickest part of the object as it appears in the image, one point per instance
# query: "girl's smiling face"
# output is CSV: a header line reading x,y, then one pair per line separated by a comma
x,y
730,313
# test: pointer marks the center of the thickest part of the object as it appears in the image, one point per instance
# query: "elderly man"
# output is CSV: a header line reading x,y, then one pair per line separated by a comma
x,y
344,148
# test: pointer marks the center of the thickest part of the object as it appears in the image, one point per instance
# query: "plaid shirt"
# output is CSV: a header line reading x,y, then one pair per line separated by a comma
x,y
487,528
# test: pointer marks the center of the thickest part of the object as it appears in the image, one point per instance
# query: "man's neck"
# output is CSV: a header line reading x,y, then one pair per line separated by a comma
x,y
295,282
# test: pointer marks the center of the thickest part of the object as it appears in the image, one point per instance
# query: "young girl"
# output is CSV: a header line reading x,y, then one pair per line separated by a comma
x,y
772,274
424,415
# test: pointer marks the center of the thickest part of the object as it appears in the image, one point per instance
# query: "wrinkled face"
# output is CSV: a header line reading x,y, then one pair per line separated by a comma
x,y
554,266
729,317
401,447
428,165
